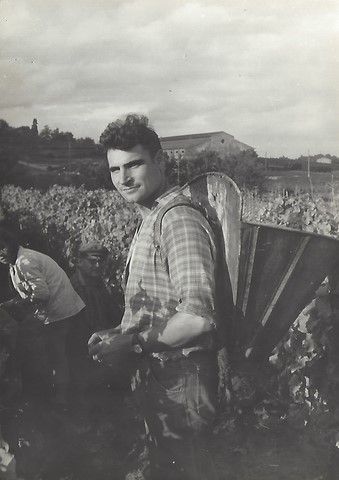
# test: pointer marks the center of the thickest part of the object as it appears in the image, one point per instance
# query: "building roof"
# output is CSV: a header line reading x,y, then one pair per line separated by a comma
x,y
186,141
169,143
192,136
202,140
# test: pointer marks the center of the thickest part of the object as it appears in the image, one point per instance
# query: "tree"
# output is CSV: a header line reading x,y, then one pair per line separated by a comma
x,y
34,127
46,133
244,168
3,125
5,131
86,142
23,136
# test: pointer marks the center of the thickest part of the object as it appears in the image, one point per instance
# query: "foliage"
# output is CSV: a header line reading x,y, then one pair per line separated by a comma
x,y
244,168
8,168
300,383
302,163
57,221
27,146
301,212
94,174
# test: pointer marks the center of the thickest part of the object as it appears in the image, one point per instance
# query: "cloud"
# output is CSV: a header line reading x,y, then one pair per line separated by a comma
x,y
266,72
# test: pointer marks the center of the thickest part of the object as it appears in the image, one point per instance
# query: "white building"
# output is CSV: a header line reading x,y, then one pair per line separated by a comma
x,y
190,145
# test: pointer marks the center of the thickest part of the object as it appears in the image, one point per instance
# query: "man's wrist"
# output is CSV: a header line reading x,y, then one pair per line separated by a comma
x,y
137,345
12,303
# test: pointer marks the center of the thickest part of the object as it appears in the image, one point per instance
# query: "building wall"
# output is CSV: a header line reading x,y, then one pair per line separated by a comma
x,y
226,144
221,142
175,152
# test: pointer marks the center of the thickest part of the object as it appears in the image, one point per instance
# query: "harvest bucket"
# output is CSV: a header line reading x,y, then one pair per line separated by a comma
x,y
280,270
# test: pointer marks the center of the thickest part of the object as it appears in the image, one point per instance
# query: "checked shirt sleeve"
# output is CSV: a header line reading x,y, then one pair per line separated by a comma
x,y
187,243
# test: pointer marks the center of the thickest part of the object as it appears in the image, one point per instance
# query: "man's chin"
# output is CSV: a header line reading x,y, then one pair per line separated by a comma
x,y
132,196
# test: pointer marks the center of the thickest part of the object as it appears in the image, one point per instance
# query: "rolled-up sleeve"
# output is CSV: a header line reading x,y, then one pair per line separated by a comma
x,y
189,252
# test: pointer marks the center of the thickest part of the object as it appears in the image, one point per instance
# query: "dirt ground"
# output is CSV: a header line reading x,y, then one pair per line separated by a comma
x,y
103,440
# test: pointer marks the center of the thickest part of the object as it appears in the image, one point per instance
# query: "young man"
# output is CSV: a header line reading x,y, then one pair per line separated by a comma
x,y
169,324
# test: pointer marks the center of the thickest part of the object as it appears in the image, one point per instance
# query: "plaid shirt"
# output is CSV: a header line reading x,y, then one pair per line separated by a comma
x,y
178,277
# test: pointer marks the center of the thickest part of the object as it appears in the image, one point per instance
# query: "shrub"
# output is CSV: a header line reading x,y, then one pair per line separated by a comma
x,y
58,220
244,168
293,385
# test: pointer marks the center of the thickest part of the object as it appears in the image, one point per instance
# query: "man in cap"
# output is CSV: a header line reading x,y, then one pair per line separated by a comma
x,y
102,311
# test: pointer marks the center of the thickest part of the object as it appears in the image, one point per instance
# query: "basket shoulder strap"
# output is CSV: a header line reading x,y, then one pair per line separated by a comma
x,y
176,202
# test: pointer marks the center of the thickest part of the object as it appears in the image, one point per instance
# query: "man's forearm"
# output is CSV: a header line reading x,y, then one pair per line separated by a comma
x,y
19,302
181,330
13,303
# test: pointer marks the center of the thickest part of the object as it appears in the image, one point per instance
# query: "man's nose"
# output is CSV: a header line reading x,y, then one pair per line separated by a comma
x,y
124,176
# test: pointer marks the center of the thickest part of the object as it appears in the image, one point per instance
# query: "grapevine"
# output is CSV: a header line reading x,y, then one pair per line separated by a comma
x,y
301,380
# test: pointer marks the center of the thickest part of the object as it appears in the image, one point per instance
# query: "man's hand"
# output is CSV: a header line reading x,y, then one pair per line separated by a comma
x,y
17,303
12,303
97,337
110,346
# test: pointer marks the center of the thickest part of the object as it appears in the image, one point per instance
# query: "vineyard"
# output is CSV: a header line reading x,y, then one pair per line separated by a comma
x,y
299,386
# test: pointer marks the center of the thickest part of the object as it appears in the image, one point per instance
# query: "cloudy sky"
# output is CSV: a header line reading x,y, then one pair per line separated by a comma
x,y
265,71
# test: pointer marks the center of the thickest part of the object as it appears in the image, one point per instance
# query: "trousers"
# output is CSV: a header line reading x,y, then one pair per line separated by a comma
x,y
178,400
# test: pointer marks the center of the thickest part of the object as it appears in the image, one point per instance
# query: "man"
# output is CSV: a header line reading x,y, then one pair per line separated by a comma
x,y
102,311
47,299
169,324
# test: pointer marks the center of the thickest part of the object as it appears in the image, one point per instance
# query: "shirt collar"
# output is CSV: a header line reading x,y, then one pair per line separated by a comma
x,y
165,197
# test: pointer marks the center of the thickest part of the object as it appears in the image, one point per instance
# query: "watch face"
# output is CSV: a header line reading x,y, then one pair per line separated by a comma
x,y
137,348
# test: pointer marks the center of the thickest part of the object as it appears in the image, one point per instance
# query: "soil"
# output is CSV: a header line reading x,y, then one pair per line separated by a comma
x,y
102,439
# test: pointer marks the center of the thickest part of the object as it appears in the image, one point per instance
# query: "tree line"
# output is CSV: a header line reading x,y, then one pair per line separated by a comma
x,y
65,155
26,136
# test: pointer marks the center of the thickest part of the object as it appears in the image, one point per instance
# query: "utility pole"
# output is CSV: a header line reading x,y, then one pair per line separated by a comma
x,y
309,172
69,155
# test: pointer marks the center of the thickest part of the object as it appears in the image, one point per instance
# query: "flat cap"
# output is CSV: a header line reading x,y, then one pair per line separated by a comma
x,y
93,248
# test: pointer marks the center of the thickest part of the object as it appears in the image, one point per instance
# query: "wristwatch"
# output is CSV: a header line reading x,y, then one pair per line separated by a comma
x,y
136,344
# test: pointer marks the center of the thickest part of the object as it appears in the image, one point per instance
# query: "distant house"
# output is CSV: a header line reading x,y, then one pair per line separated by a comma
x,y
324,161
190,145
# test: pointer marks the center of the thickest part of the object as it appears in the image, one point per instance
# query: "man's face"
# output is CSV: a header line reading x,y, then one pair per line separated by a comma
x,y
136,175
91,265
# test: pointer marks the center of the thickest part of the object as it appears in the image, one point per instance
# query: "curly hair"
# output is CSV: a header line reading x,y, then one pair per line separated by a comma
x,y
126,134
